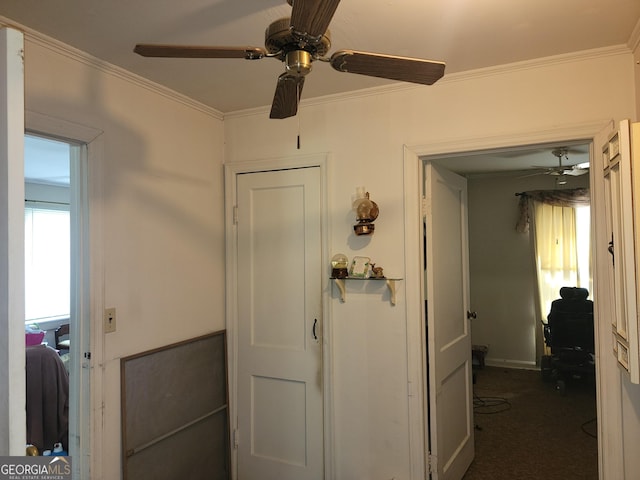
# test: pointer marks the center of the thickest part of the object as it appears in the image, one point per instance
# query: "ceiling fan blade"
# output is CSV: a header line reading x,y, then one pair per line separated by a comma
x,y
534,174
403,69
576,172
193,51
287,96
311,18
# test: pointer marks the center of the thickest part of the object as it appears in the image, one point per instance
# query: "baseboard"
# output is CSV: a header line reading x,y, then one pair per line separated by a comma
x,y
501,362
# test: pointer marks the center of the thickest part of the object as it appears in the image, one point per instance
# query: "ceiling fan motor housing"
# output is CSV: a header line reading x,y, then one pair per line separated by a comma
x,y
280,40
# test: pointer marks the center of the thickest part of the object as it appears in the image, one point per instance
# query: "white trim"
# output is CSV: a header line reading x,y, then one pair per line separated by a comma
x,y
59,128
415,315
510,363
95,156
322,161
607,417
448,78
12,346
574,132
88,271
634,38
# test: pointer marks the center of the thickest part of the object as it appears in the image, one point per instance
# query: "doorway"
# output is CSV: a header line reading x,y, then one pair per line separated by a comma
x,y
503,285
56,287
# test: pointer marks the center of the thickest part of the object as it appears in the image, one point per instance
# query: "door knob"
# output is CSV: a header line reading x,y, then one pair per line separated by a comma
x,y
472,315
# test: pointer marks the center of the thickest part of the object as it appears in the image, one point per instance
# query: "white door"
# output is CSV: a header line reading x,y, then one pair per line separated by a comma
x,y
279,392
448,329
620,180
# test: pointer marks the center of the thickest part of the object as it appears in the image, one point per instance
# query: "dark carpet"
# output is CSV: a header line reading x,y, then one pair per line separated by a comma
x,y
526,429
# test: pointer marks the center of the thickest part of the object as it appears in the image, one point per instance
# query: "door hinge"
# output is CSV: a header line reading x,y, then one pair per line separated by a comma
x,y
235,214
87,355
431,463
236,438
425,206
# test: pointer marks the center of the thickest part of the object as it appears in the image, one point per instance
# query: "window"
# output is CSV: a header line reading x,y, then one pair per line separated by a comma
x,y
562,250
47,260
47,229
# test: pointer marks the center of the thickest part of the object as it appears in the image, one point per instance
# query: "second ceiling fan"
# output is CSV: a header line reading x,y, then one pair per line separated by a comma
x,y
298,42
573,170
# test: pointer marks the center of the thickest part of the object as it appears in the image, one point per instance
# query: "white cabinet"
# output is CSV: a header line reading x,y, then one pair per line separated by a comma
x,y
621,161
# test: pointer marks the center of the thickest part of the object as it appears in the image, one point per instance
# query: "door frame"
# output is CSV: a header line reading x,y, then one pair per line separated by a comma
x,y
86,292
609,417
13,430
231,171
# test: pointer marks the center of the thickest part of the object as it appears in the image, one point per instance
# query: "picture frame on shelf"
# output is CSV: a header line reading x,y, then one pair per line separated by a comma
x,y
360,267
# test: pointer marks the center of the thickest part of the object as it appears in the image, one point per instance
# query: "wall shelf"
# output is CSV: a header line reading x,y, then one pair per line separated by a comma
x,y
341,284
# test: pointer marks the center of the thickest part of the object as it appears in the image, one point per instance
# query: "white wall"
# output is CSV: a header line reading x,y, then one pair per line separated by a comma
x,y
156,215
365,137
502,272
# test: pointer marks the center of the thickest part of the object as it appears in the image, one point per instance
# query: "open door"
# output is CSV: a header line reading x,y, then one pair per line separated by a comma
x,y
449,366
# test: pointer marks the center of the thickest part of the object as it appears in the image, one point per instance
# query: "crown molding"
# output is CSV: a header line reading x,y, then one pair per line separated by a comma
x,y
60,48
63,49
634,38
452,77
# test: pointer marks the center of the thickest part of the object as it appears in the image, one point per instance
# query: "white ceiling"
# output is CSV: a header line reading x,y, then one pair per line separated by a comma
x,y
466,34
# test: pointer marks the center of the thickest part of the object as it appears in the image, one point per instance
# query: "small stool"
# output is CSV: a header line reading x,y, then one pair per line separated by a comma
x,y
478,353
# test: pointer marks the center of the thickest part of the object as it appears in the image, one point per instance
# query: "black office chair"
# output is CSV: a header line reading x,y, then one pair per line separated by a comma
x,y
569,333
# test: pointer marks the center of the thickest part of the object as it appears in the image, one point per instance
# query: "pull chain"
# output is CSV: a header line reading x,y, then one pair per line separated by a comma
x,y
298,115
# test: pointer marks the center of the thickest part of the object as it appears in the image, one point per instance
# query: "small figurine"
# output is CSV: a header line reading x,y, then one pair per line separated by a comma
x,y
376,272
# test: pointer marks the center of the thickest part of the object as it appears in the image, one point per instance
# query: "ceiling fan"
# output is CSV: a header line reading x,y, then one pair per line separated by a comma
x,y
298,42
574,170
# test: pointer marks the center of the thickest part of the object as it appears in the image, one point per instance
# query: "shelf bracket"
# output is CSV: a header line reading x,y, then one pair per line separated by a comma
x,y
340,284
391,285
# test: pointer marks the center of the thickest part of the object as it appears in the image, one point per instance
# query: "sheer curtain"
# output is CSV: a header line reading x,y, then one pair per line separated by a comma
x,y
556,251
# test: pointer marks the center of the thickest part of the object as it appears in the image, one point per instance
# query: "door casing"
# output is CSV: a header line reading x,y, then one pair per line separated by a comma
x,y
610,464
84,277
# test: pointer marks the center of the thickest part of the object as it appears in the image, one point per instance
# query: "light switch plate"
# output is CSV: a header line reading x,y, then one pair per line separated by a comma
x,y
109,320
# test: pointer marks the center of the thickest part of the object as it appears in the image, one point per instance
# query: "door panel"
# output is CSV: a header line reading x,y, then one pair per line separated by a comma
x,y
280,409
448,337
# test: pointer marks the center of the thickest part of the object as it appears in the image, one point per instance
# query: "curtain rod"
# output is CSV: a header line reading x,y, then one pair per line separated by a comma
x,y
46,202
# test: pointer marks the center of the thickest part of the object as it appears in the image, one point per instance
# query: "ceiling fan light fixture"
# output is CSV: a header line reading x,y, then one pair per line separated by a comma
x,y
298,62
